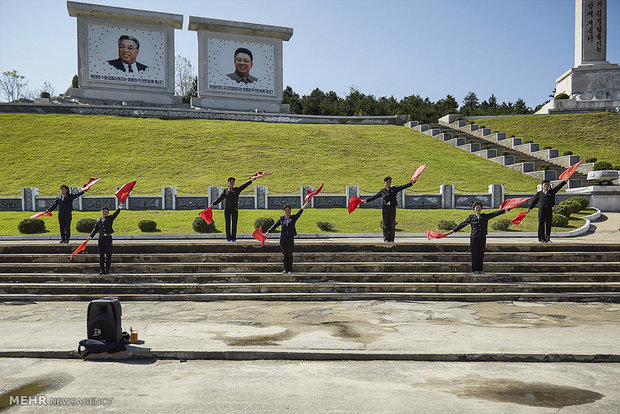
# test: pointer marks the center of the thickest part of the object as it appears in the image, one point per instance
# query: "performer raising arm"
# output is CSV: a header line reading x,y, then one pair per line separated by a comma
x,y
388,207
479,222
287,236
546,197
65,208
103,226
231,210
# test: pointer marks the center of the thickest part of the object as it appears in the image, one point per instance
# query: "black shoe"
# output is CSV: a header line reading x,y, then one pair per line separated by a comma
x,y
62,241
101,272
107,272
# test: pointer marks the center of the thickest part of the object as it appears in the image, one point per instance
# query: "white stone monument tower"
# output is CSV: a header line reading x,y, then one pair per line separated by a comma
x,y
593,84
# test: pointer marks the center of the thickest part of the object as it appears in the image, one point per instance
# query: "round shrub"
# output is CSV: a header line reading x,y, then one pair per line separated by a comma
x,y
44,94
500,224
542,167
200,226
326,226
33,226
147,226
446,224
529,141
574,206
581,200
264,222
602,165
546,148
561,96
567,153
591,160
85,225
562,209
617,167
559,220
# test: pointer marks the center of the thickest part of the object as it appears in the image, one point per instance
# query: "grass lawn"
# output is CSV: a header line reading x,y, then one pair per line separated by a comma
x,y
360,221
595,135
46,151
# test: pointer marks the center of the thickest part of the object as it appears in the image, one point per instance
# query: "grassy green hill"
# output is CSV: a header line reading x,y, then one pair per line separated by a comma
x,y
595,135
45,151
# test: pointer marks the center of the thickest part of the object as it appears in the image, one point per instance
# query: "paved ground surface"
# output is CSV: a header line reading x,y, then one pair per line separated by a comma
x,y
313,387
365,326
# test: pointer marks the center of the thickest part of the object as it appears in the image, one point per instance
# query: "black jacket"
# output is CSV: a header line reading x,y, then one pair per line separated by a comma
x,y
103,226
288,226
118,64
65,203
480,224
547,201
232,196
389,194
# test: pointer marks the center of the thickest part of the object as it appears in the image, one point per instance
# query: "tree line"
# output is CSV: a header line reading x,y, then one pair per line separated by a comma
x,y
356,103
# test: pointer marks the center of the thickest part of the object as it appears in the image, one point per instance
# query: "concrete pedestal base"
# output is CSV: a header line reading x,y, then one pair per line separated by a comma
x,y
244,105
603,197
116,97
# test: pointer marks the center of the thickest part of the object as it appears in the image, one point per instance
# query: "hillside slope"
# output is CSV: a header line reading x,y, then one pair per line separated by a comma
x,y
45,151
593,135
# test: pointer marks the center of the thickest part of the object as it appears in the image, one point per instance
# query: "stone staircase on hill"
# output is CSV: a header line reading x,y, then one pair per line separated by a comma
x,y
200,271
510,152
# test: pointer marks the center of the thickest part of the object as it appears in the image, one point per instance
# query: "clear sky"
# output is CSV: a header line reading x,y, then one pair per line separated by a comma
x,y
512,48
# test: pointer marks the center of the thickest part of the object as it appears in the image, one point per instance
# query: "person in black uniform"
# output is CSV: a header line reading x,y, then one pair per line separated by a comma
x,y
287,236
231,209
388,207
546,197
65,206
479,222
103,226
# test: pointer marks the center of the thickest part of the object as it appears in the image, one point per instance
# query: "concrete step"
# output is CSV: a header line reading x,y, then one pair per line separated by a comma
x,y
112,289
459,297
255,277
53,258
334,267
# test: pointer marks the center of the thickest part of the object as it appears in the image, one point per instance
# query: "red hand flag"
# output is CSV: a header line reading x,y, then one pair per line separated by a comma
x,y
313,193
513,202
568,173
207,215
91,181
42,214
82,247
258,235
124,191
258,175
430,234
418,172
354,202
517,220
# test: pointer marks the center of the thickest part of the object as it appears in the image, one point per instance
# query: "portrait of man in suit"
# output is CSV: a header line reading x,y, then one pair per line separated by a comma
x,y
128,50
243,61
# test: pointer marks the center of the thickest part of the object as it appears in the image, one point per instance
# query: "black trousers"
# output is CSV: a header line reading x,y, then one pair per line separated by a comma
x,y
287,245
544,224
105,253
389,222
64,220
231,216
477,245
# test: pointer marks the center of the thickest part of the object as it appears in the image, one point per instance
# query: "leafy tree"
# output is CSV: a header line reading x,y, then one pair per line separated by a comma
x,y
13,86
185,78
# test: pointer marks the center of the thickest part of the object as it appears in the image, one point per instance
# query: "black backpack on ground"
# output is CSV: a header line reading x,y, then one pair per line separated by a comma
x,y
103,327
